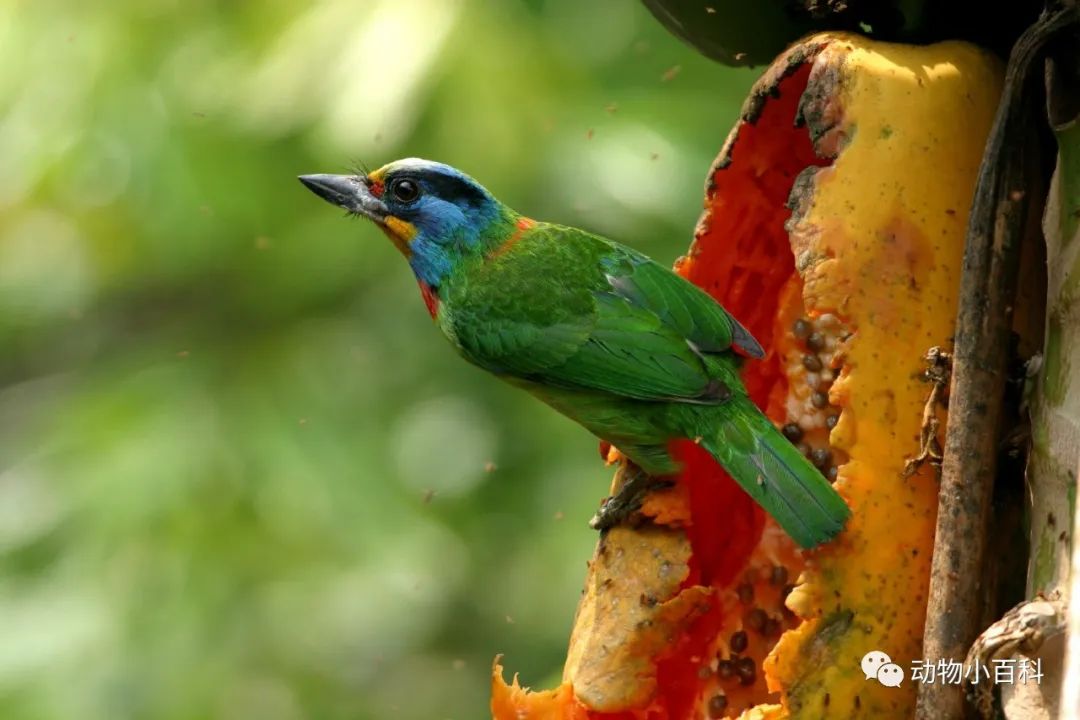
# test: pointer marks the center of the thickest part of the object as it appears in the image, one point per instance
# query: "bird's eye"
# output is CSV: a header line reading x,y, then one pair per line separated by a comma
x,y
405,190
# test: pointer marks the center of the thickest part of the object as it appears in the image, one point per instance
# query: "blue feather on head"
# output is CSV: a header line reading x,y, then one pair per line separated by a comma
x,y
447,210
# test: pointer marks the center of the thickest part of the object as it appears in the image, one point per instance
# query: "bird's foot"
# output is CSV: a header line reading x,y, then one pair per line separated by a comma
x,y
627,499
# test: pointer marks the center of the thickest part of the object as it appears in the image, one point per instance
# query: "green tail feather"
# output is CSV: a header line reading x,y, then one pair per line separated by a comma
x,y
776,474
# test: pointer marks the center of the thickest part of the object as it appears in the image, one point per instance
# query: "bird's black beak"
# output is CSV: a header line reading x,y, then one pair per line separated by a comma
x,y
350,192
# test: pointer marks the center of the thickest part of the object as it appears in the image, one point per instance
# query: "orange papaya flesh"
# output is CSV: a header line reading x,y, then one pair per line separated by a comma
x,y
513,701
833,230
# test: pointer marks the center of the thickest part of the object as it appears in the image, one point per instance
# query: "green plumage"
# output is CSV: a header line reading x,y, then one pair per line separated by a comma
x,y
634,353
622,345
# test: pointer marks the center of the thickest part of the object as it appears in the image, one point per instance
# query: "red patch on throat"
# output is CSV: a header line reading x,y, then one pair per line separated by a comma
x,y
431,300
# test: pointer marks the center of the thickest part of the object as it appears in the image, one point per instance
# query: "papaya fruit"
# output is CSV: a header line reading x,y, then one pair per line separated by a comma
x,y
833,228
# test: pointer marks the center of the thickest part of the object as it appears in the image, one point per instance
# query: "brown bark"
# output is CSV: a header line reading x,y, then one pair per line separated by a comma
x,y
988,286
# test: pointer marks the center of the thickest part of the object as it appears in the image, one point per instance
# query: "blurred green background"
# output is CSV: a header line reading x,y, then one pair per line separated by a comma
x,y
241,476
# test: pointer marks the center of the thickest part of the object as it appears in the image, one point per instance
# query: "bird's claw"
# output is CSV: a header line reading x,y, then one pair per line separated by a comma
x,y
627,499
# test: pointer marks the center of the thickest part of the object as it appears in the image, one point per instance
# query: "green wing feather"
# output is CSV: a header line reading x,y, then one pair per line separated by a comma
x,y
679,303
571,309
631,352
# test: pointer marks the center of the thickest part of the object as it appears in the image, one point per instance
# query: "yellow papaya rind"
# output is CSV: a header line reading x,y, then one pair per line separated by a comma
x,y
878,240
632,609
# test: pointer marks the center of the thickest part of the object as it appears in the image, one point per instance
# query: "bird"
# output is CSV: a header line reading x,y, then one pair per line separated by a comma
x,y
631,351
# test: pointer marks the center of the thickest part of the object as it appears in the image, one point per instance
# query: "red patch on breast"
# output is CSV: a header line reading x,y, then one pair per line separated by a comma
x,y
431,300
